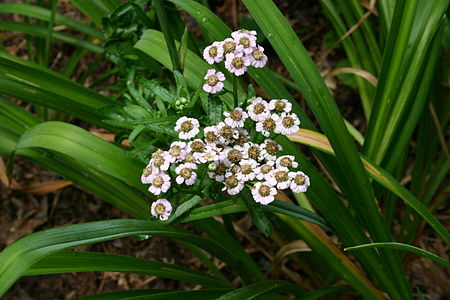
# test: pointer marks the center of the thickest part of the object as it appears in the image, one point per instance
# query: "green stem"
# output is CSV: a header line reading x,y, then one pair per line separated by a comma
x,y
165,27
235,96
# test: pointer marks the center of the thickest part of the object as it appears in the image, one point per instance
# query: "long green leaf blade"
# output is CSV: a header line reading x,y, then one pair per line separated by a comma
x,y
22,254
75,261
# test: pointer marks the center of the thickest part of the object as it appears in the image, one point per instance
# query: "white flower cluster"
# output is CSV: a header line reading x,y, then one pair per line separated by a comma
x,y
238,53
231,157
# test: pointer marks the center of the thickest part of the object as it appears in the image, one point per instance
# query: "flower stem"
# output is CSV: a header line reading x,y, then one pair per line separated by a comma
x,y
165,27
235,96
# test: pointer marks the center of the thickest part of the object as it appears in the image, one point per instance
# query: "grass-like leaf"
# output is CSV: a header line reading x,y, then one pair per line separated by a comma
x,y
22,254
404,247
75,261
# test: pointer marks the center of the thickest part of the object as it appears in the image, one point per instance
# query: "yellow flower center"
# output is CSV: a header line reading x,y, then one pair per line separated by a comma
x,y
237,62
212,80
264,190
229,47
258,54
158,182
186,126
213,51
160,208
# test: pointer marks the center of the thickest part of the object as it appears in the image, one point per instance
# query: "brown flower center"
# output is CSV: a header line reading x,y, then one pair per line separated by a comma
x,y
186,126
272,148
253,152
160,208
147,171
210,137
286,162
158,182
197,146
269,124
186,173
242,139
259,108
212,80
264,190
299,179
288,122
227,132
159,161
213,51
189,158
244,41
234,156
236,115
229,47
237,62
265,169
246,169
231,181
175,150
281,176
280,105
258,54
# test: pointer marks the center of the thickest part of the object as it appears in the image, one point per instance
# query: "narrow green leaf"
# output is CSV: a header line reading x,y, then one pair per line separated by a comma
x,y
43,14
260,220
404,247
22,254
96,10
74,261
41,31
302,69
257,289
30,82
79,144
159,295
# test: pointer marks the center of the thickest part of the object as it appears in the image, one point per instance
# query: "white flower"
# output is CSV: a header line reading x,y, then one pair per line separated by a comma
x,y
258,110
187,128
300,182
160,183
236,33
267,125
228,46
147,172
232,155
213,81
161,209
211,134
237,63
287,161
161,162
235,118
176,152
213,53
232,185
288,124
259,59
280,178
263,172
263,193
252,150
186,173
280,105
210,154
246,170
245,42
269,149
226,133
